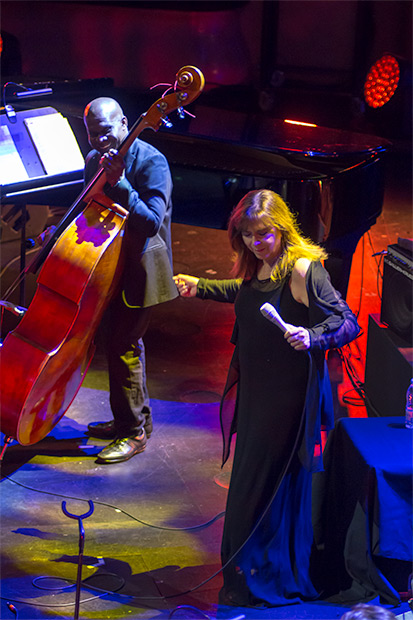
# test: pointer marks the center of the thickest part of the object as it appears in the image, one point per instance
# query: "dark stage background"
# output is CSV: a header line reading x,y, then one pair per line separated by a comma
x,y
311,56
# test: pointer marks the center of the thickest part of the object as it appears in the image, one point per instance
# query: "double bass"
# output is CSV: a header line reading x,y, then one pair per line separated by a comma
x,y
44,360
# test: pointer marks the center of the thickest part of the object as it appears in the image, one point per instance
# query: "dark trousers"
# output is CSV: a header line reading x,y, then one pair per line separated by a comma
x,y
124,329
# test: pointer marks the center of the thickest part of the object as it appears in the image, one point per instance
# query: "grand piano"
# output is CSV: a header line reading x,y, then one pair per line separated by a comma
x,y
333,179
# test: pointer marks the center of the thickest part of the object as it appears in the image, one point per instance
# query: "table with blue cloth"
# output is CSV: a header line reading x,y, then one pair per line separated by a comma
x,y
366,509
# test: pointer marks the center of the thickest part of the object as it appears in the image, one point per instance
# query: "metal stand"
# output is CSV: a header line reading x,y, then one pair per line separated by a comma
x,y
81,547
20,225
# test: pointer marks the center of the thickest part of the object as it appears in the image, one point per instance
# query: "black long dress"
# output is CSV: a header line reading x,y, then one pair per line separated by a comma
x,y
272,388
281,397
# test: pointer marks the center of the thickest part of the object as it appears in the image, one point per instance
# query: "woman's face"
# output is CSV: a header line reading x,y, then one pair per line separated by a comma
x,y
263,241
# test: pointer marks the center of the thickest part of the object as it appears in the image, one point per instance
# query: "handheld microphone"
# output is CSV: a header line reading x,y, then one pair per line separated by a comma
x,y
269,312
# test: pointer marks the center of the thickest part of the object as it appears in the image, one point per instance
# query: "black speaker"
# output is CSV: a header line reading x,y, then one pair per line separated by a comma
x,y
388,370
397,292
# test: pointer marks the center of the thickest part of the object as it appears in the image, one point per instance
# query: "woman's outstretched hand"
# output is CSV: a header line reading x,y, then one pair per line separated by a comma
x,y
186,285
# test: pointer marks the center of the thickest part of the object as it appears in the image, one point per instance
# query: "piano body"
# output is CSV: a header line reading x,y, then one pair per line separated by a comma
x,y
332,179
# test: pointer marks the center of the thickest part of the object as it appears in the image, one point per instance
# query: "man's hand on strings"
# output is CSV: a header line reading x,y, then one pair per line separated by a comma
x,y
114,166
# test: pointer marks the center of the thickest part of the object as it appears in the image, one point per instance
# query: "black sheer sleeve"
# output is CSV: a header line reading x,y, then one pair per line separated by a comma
x,y
333,323
218,290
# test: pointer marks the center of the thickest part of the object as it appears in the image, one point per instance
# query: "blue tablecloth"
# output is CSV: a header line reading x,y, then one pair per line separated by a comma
x,y
367,503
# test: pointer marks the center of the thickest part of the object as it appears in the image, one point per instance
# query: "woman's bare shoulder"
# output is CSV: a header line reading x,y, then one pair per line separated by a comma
x,y
301,267
298,280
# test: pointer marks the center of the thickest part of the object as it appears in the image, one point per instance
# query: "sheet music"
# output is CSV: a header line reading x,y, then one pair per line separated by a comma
x,y
55,143
12,169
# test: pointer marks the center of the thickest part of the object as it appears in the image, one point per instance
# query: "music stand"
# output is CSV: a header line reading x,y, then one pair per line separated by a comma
x,y
38,152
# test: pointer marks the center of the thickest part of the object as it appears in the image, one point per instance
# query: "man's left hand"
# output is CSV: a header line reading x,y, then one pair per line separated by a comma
x,y
114,166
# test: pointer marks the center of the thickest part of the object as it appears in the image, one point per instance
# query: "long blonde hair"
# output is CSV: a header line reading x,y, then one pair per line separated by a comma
x,y
269,208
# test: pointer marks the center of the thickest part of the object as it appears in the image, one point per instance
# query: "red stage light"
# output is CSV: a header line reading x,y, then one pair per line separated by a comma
x,y
382,81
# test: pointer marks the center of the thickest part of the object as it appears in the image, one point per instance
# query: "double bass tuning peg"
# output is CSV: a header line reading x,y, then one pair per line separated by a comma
x,y
165,120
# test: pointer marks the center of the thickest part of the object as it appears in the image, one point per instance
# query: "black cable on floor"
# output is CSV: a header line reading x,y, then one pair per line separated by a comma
x,y
109,592
157,527
189,591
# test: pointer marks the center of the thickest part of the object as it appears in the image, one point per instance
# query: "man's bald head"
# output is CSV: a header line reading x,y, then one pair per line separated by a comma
x,y
106,124
103,107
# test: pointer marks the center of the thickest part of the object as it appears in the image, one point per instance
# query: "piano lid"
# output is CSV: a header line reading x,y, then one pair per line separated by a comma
x,y
260,131
221,155
257,145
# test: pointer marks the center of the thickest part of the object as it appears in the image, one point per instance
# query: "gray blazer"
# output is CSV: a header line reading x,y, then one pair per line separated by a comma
x,y
145,192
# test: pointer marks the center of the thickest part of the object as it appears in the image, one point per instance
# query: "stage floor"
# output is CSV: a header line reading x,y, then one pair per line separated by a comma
x,y
152,543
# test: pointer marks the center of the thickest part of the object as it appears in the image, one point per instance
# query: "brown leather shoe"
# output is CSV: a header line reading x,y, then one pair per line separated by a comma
x,y
102,430
123,449
106,430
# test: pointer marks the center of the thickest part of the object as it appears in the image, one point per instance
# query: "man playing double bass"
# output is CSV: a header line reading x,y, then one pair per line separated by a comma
x,y
141,183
